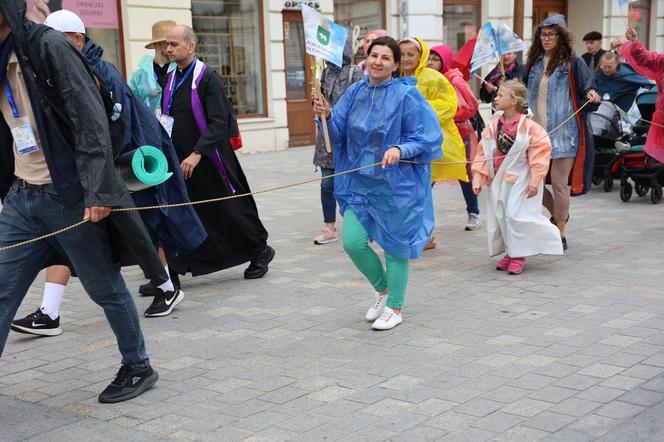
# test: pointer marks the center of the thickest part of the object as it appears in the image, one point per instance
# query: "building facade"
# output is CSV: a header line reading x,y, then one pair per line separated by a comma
x,y
257,46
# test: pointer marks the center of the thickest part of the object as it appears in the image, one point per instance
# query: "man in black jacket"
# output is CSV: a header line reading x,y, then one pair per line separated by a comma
x,y
56,169
593,42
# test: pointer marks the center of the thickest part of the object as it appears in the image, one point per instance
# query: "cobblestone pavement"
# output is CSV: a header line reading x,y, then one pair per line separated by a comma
x,y
573,349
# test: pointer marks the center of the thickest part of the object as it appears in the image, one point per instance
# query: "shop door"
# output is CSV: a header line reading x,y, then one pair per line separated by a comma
x,y
301,126
545,8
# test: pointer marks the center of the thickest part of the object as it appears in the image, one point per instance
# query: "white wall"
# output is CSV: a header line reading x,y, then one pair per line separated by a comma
x,y
584,16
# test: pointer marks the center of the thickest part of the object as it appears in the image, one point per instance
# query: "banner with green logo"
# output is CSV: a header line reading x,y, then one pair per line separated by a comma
x,y
323,38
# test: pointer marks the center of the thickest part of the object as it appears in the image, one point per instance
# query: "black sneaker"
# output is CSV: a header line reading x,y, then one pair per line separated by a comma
x,y
149,289
128,383
164,303
38,323
258,267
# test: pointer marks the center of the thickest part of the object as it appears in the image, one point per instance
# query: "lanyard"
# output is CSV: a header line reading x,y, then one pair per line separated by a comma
x,y
173,89
10,98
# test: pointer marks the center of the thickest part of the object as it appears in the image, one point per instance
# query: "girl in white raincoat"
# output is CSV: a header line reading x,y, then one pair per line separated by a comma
x,y
512,160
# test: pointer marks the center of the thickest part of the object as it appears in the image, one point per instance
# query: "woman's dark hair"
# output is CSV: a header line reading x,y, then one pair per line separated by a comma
x,y
393,45
562,54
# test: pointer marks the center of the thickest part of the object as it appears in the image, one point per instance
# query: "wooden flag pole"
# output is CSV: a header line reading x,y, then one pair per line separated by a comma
x,y
502,67
323,118
481,79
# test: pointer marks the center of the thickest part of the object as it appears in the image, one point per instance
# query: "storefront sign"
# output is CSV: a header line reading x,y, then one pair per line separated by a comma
x,y
94,13
294,4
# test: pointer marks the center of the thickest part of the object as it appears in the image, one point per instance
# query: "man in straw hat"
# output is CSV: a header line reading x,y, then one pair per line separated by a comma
x,y
151,68
160,63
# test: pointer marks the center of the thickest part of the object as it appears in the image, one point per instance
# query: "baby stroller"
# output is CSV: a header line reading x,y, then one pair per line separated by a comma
x,y
607,128
646,173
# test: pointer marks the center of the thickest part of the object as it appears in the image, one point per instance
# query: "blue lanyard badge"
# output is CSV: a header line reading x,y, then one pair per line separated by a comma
x,y
10,99
22,133
174,89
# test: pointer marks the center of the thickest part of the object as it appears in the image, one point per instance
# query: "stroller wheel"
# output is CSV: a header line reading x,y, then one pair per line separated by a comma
x,y
608,184
641,188
625,191
597,180
656,193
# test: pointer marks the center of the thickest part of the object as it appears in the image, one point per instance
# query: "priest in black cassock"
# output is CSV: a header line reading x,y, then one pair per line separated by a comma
x,y
198,114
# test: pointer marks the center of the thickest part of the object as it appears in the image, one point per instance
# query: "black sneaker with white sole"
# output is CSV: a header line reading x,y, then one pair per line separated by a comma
x,y
149,289
129,383
164,303
38,323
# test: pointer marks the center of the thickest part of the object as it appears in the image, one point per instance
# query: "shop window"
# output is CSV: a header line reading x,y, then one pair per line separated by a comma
x,y
461,21
365,14
639,19
230,35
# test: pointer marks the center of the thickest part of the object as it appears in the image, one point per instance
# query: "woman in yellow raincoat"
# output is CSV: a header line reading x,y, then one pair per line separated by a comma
x,y
440,94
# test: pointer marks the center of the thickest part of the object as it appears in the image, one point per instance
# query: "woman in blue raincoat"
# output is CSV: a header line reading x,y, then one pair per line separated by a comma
x,y
383,120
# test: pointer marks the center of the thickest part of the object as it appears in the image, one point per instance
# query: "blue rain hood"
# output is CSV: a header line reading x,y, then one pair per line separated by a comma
x,y
394,204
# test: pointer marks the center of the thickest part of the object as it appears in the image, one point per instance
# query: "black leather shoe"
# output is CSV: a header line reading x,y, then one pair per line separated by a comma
x,y
564,243
259,266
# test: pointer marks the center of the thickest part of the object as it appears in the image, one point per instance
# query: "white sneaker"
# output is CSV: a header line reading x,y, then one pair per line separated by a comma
x,y
388,320
376,309
327,236
473,222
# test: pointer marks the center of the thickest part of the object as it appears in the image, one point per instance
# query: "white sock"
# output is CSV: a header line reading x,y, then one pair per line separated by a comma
x,y
52,299
168,285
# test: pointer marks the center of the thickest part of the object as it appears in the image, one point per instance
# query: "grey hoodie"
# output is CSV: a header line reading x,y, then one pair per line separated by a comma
x,y
334,82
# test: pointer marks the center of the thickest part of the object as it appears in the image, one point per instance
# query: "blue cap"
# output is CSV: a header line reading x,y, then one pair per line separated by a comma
x,y
553,20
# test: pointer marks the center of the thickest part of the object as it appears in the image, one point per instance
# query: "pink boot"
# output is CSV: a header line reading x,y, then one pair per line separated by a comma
x,y
504,263
516,266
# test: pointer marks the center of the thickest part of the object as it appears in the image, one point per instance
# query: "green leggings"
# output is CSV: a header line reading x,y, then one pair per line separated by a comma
x,y
356,244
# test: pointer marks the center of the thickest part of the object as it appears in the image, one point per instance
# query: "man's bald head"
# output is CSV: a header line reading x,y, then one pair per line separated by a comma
x,y
181,41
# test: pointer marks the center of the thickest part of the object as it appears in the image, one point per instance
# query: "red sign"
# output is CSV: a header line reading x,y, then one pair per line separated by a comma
x,y
94,13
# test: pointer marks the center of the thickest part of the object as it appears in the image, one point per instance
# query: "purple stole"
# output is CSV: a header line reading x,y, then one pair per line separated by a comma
x,y
199,113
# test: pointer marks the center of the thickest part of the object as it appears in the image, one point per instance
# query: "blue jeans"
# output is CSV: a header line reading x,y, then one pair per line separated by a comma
x,y
472,205
29,212
327,196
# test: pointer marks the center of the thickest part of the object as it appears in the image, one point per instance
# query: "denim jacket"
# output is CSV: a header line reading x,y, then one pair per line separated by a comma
x,y
559,106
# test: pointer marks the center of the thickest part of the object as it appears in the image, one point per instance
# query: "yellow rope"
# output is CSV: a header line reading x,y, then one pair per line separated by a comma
x,y
267,190
39,238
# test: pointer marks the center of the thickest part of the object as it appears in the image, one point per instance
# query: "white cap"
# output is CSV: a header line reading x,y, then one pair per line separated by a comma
x,y
65,21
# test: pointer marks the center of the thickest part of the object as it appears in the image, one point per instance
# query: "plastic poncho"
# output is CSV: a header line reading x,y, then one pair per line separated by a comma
x,y
622,86
144,84
393,204
443,99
